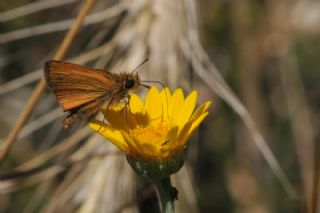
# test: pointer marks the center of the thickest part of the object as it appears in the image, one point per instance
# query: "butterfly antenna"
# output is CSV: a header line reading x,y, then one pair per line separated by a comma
x,y
143,62
158,82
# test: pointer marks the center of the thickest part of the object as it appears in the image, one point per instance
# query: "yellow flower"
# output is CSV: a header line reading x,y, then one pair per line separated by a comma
x,y
156,130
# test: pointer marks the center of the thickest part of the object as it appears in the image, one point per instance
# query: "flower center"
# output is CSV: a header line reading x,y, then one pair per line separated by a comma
x,y
152,134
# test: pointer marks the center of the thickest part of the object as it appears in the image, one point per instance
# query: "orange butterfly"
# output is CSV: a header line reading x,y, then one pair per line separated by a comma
x,y
82,91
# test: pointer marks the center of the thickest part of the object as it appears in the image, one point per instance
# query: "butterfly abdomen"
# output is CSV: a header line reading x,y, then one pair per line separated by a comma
x,y
70,119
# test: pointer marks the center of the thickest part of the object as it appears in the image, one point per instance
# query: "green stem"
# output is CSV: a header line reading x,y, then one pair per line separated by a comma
x,y
167,194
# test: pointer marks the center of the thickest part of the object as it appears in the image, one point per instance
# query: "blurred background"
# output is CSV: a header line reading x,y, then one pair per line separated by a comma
x,y
258,61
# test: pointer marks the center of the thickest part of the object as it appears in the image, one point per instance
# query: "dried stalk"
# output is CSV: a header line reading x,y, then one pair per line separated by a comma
x,y
61,25
32,8
66,43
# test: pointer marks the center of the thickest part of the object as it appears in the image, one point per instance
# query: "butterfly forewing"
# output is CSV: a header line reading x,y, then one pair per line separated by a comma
x,y
75,86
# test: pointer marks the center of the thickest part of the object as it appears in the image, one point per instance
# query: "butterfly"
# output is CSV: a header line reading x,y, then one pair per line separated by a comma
x,y
82,91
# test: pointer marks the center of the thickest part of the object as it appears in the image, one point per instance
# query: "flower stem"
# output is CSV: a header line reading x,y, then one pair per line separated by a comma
x,y
167,194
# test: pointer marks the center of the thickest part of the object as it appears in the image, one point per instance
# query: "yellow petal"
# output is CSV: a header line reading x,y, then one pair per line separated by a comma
x,y
116,118
186,110
130,119
149,150
133,146
203,108
166,94
143,148
170,141
136,104
197,122
165,99
184,133
172,135
153,105
175,105
113,135
186,136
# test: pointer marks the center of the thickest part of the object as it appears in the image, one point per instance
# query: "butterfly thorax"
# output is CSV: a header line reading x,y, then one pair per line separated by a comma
x,y
128,81
124,83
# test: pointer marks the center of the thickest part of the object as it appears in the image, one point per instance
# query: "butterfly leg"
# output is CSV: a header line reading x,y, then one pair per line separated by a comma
x,y
106,111
127,106
128,102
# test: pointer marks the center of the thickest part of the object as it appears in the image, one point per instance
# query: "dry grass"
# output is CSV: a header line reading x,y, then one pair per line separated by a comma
x,y
117,37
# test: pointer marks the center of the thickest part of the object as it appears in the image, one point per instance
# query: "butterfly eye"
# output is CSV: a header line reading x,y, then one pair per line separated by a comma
x,y
129,83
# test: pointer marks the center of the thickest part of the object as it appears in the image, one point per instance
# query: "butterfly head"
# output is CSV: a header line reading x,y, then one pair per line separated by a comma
x,y
132,81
